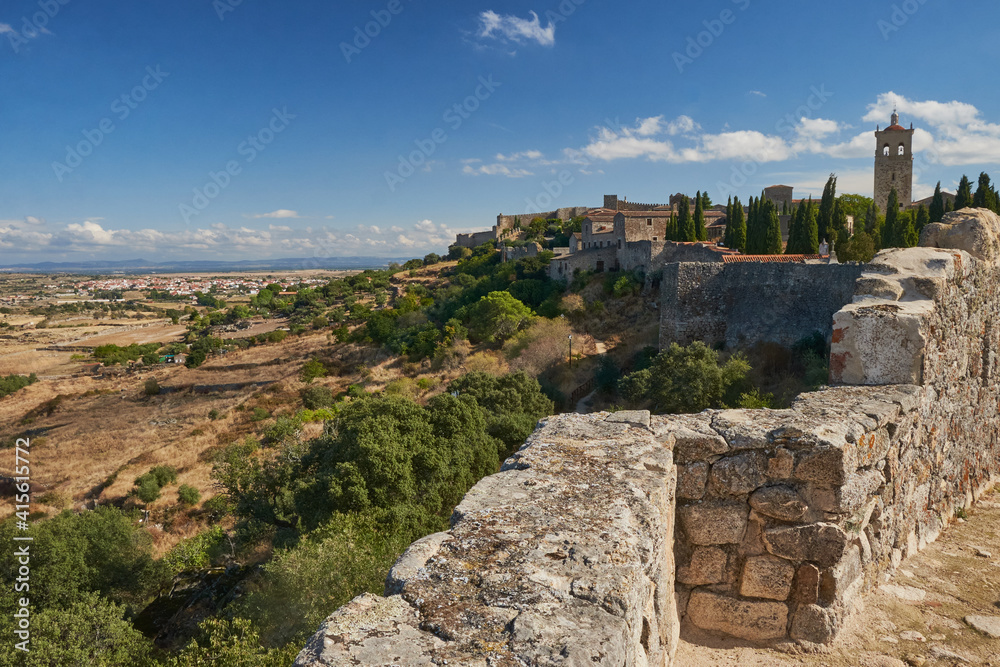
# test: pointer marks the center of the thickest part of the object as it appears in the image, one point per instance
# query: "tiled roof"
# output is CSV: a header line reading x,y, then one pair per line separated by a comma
x,y
769,259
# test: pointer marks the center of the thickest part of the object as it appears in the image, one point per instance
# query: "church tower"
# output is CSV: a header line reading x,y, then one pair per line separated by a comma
x,y
894,164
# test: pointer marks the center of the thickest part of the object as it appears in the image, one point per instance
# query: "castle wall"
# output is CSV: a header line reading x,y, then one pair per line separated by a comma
x,y
784,518
564,214
564,266
740,304
475,240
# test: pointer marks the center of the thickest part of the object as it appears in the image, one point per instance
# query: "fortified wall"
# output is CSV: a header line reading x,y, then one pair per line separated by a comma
x,y
570,555
745,303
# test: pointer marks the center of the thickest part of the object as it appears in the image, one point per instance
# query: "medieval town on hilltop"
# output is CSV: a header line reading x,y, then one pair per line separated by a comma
x,y
628,236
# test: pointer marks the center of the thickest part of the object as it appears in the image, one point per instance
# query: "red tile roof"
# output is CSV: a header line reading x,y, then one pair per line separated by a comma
x,y
769,259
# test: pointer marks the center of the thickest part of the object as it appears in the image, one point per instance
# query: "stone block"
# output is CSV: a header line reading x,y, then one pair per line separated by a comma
x,y
691,481
691,446
976,231
781,465
779,502
753,539
632,417
840,583
711,523
806,584
708,566
816,624
753,621
767,577
820,543
825,466
738,475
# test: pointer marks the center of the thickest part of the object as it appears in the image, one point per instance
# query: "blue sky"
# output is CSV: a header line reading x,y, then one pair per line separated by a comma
x,y
232,129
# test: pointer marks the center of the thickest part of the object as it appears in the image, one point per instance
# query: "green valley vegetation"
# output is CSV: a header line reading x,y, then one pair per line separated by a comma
x,y
11,383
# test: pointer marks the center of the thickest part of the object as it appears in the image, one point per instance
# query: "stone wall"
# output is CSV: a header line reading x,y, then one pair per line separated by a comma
x,y
474,240
563,267
784,517
563,558
740,304
564,214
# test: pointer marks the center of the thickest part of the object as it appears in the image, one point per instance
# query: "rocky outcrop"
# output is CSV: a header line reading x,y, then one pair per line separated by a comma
x,y
564,557
974,230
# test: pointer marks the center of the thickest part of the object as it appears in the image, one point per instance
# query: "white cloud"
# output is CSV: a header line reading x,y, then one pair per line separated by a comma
x,y
511,28
279,228
496,170
756,93
5,28
524,155
280,214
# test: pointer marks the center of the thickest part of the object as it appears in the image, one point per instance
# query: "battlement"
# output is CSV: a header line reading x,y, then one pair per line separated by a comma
x,y
784,518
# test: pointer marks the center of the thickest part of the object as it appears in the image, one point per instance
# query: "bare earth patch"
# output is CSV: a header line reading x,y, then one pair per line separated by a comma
x,y
960,576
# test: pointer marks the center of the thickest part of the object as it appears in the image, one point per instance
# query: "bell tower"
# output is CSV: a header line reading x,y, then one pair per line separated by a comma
x,y
894,164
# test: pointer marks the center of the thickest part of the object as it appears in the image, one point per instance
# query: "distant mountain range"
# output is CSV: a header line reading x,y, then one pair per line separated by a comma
x,y
204,266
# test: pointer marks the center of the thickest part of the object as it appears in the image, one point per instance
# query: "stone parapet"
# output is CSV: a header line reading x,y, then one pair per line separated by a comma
x,y
564,557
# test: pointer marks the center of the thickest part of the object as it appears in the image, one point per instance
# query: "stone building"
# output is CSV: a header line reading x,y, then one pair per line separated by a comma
x,y
894,164
780,196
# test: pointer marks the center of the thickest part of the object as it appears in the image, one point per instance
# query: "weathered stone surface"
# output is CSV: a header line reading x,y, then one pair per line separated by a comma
x,y
989,625
976,231
631,417
821,543
708,566
754,621
781,465
908,593
691,481
564,557
371,630
827,466
691,446
710,523
806,584
739,474
767,577
840,583
779,502
816,624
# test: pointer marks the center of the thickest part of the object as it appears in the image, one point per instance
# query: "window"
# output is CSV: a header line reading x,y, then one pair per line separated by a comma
x,y
885,151
600,267
894,178
649,222
902,149
655,239
619,244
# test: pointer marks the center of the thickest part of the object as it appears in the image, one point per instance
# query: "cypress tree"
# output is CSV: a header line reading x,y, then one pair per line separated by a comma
x,y
810,229
936,211
772,229
671,233
728,238
795,235
964,197
685,227
906,234
739,236
701,234
983,196
923,219
826,208
753,245
948,206
890,231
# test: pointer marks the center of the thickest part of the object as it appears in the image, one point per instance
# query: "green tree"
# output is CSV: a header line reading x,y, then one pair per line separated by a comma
x,y
234,643
699,218
684,380
923,219
936,211
188,495
824,218
739,225
685,223
855,205
803,231
860,248
727,236
890,230
963,199
906,235
497,317
772,242
985,196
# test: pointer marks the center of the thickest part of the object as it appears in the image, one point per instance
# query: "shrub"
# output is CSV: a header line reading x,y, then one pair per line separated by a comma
x,y
147,490
188,495
259,415
164,475
312,369
277,336
214,414
314,398
152,387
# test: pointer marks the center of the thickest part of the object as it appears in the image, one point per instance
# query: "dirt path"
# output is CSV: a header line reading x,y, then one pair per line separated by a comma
x,y
958,576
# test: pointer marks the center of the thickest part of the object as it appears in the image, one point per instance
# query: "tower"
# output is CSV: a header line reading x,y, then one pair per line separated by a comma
x,y
894,164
